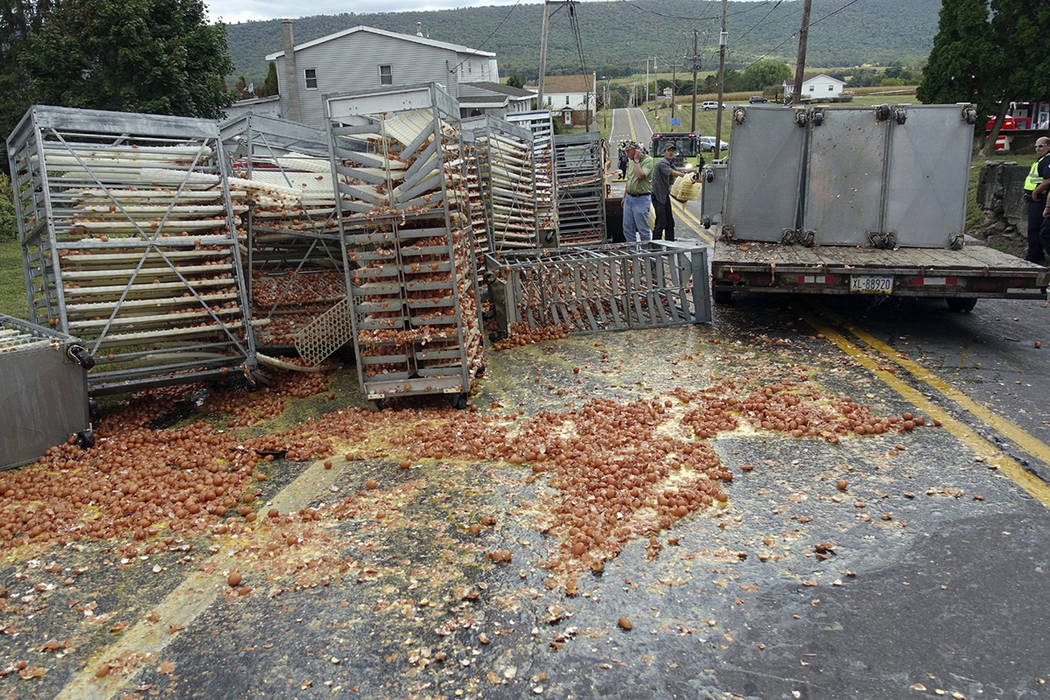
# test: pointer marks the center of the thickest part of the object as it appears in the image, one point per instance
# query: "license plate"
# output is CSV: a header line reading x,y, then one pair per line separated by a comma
x,y
871,284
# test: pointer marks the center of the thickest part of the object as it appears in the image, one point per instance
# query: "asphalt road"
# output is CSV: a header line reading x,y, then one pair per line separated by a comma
x,y
895,565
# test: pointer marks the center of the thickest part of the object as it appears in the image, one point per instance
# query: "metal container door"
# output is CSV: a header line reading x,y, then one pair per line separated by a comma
x,y
765,165
844,177
929,166
712,197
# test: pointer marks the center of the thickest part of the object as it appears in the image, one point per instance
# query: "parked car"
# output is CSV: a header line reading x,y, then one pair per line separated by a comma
x,y
709,104
757,99
707,143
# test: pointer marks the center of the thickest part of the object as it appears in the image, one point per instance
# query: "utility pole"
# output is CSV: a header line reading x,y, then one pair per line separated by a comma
x,y
696,66
646,97
674,91
543,51
722,38
800,66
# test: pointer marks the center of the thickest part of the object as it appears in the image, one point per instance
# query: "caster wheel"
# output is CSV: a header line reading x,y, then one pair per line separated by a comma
x,y
459,401
85,439
376,405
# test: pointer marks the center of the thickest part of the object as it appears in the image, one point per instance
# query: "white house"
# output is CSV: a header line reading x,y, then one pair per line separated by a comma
x,y
366,59
816,87
575,92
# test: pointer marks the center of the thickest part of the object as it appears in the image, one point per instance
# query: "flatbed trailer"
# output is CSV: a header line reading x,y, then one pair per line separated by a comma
x,y
961,276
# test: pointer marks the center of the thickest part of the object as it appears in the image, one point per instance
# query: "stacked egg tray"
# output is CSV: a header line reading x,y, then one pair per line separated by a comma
x,y
540,124
290,241
580,168
128,238
405,219
601,288
478,221
505,169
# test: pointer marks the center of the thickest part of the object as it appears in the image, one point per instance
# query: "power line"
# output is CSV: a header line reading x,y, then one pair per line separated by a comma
x,y
795,33
491,34
648,11
761,20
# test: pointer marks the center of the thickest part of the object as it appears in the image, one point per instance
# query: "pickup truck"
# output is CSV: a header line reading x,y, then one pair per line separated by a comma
x,y
867,201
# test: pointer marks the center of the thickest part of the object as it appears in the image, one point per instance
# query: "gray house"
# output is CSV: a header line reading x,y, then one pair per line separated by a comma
x,y
363,59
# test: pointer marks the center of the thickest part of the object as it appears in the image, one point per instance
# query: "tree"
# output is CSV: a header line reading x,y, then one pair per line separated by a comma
x,y
270,86
153,56
515,81
761,75
988,53
964,58
19,20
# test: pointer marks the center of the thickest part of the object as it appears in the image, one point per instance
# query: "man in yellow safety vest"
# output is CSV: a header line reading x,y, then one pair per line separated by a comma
x,y
1036,183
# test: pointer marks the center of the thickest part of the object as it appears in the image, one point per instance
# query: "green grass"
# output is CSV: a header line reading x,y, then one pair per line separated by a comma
x,y
12,283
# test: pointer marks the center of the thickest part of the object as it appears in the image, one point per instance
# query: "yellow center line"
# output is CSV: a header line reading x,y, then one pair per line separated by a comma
x,y
183,605
694,224
1027,442
993,456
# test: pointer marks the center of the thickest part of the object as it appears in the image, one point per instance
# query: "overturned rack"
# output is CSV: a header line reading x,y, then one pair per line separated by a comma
x,y
507,182
580,168
601,288
404,216
290,238
127,232
540,124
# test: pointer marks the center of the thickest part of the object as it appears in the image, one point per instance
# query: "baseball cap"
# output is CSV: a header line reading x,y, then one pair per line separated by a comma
x,y
670,147
629,145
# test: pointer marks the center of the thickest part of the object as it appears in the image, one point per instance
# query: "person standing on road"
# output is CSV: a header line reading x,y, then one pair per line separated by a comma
x,y
1036,183
621,160
637,195
663,171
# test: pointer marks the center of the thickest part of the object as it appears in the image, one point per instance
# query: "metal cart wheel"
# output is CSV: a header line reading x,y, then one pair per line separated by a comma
x,y
459,401
375,404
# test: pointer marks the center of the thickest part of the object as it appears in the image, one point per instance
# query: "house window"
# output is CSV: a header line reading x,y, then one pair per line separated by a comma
x,y
386,76
566,100
831,88
311,78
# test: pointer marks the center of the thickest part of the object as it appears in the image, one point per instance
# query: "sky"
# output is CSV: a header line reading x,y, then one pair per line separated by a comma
x,y
231,11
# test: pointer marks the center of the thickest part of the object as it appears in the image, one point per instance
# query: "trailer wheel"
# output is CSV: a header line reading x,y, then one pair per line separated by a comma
x,y
961,304
723,296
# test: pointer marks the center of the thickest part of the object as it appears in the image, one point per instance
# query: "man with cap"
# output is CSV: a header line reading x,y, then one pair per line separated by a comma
x,y
637,194
662,174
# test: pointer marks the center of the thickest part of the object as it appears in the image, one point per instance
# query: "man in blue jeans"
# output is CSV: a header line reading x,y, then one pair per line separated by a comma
x,y
637,195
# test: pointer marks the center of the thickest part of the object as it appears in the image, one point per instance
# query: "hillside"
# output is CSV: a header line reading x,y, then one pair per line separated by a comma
x,y
617,36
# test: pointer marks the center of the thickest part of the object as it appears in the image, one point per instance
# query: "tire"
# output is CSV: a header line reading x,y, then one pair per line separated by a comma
x,y
961,304
723,297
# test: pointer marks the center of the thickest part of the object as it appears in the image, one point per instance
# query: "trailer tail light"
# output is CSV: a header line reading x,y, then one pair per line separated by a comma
x,y
935,281
734,277
985,285
816,279
1021,282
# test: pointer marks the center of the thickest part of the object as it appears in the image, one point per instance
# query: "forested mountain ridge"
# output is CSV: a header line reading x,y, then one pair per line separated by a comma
x,y
617,36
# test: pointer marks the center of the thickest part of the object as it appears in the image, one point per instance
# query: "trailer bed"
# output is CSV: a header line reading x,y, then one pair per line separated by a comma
x,y
975,271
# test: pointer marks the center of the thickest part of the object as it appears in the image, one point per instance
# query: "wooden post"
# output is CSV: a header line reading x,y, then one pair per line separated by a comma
x,y
543,51
722,38
696,66
800,66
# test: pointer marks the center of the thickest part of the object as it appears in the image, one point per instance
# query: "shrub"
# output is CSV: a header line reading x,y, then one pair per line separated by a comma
x,y
8,224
